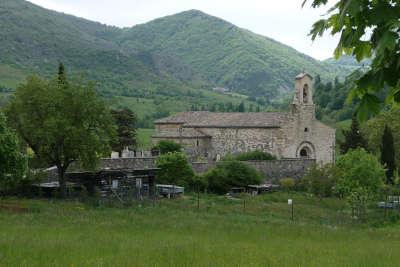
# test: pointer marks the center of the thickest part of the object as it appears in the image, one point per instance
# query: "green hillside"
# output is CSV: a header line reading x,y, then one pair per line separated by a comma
x,y
169,64
217,51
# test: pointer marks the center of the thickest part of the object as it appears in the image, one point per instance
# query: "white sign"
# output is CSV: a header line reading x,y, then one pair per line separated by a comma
x,y
290,201
114,184
138,183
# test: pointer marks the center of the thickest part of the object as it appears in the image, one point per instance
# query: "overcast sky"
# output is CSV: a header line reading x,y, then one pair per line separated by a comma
x,y
282,20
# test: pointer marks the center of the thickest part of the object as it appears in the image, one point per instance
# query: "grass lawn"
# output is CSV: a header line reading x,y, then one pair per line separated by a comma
x,y
174,233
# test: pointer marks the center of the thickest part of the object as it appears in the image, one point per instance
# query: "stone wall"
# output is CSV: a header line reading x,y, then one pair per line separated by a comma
x,y
276,169
270,169
128,163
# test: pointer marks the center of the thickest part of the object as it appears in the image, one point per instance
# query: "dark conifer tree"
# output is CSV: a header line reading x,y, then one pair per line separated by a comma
x,y
61,77
125,120
353,138
388,154
241,107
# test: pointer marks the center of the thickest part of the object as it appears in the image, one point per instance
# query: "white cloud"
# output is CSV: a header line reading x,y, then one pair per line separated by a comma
x,y
282,20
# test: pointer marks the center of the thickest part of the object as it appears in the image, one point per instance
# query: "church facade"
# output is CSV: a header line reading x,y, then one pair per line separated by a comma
x,y
295,134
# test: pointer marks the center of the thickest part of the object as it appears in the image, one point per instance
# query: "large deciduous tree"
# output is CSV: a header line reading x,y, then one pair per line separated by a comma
x,y
126,129
13,163
367,29
62,122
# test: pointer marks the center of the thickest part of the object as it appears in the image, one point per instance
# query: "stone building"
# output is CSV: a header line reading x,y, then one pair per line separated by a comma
x,y
295,134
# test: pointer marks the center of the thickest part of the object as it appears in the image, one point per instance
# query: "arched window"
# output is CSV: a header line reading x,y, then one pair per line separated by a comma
x,y
305,93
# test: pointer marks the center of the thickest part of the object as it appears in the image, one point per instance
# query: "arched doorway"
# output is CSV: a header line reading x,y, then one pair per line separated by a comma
x,y
305,151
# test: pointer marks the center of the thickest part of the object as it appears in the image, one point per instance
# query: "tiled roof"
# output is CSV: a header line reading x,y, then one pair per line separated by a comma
x,y
208,119
301,75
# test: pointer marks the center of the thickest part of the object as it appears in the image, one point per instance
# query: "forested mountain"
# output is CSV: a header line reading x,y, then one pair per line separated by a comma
x,y
170,63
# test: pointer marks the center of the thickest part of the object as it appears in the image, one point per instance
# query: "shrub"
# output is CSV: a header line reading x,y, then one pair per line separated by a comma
x,y
320,180
228,174
166,146
360,170
287,183
175,169
255,155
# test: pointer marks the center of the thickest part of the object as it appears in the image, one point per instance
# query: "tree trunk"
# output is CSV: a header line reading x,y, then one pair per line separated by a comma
x,y
62,182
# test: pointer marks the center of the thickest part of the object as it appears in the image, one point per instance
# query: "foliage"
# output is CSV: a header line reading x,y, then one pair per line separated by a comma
x,y
126,129
367,28
167,146
175,169
13,163
254,155
331,98
287,183
321,180
353,138
373,130
62,122
360,171
388,158
228,174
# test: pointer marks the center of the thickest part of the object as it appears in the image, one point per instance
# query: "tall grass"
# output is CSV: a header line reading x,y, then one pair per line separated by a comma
x,y
223,232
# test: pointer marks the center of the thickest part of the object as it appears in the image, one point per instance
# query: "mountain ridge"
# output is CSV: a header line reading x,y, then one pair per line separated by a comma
x,y
174,59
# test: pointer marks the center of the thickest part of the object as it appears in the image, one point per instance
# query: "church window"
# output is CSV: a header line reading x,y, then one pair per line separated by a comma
x,y
305,93
306,129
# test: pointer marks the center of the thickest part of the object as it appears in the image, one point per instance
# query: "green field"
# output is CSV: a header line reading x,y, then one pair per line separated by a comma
x,y
223,232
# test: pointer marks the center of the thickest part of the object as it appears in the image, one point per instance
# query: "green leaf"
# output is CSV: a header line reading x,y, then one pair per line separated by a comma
x,y
369,105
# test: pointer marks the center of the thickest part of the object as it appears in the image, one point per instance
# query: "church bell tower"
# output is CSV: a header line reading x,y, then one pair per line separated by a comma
x,y
303,104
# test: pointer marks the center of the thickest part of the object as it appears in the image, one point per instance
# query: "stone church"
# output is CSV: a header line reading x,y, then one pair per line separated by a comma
x,y
295,134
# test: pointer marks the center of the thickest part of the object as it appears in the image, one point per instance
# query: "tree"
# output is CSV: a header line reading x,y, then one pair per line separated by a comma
x,y
175,169
62,122
166,146
353,138
126,129
320,180
388,154
241,107
13,163
228,174
367,28
359,171
374,128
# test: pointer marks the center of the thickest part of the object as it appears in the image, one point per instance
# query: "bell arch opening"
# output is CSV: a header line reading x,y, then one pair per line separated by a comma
x,y
305,93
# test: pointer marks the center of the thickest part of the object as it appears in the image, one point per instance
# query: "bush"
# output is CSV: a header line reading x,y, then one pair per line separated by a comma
x,y
228,174
360,170
255,155
175,169
287,183
166,146
320,180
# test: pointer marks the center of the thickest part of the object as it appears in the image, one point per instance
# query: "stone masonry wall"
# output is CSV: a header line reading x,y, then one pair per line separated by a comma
x,y
270,169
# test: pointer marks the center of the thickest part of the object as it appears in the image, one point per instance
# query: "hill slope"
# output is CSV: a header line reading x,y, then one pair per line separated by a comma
x,y
172,62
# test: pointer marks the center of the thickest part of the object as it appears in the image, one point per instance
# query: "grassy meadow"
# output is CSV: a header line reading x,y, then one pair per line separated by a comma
x,y
223,232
